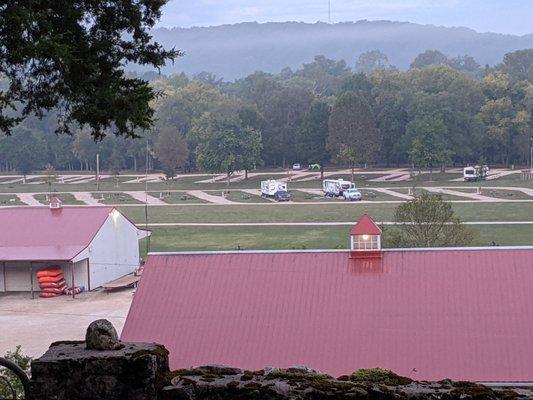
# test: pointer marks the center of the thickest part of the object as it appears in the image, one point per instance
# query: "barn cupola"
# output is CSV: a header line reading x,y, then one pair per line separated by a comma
x,y
55,203
365,239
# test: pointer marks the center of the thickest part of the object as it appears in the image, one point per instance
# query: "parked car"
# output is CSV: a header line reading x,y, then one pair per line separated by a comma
x,y
282,195
296,166
352,194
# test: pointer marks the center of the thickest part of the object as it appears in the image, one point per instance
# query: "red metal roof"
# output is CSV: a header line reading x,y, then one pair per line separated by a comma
x,y
459,314
365,226
42,234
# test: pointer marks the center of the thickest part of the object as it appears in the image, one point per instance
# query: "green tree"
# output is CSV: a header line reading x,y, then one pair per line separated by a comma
x,y
282,105
85,149
391,98
352,134
313,134
24,362
467,65
225,145
370,61
519,65
50,176
26,150
117,157
429,57
70,56
325,74
171,150
428,148
427,221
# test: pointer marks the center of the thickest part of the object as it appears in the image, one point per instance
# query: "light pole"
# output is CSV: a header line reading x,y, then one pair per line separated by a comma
x,y
531,154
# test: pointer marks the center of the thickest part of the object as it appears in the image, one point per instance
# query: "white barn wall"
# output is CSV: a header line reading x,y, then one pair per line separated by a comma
x,y
114,251
81,277
18,275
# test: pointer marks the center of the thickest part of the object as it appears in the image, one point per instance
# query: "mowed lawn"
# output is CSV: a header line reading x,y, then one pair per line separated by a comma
x,y
299,237
333,212
192,238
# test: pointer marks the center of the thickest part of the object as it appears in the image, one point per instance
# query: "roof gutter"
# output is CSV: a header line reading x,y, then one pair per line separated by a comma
x,y
487,248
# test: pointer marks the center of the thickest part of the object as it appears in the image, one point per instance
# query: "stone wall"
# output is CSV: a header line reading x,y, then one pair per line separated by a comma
x,y
102,368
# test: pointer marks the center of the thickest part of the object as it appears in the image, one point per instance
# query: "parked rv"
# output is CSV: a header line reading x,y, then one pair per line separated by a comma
x,y
336,187
476,173
272,187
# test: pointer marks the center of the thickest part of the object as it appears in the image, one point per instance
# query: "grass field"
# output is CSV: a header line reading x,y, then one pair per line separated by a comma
x,y
183,238
66,198
331,212
298,237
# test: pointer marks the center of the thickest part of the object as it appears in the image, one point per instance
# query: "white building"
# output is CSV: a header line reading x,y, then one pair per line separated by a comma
x,y
93,245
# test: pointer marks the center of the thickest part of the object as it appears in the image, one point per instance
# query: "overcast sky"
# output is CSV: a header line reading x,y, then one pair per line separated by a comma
x,y
503,16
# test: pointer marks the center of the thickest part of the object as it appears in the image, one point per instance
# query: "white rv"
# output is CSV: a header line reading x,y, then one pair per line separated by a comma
x,y
477,173
336,187
271,187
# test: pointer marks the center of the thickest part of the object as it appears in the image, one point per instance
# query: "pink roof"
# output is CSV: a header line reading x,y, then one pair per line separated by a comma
x,y
429,314
365,226
42,234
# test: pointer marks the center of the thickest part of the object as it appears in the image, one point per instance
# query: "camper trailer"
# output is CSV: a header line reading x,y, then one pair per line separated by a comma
x,y
336,187
275,189
477,173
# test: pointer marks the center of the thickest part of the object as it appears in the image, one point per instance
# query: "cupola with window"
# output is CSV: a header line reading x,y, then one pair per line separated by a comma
x,y
365,239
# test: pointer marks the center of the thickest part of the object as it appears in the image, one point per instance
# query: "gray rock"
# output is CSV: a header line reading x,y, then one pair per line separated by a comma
x,y
102,335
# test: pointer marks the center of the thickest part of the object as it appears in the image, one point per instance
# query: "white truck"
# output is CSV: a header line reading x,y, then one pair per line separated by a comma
x,y
352,195
336,187
271,187
476,173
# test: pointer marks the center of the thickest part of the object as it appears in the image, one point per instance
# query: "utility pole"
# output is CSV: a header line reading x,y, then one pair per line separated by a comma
x,y
329,11
531,154
146,200
97,171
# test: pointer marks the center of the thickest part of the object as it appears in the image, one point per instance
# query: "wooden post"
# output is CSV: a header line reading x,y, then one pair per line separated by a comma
x,y
4,272
72,270
88,275
31,280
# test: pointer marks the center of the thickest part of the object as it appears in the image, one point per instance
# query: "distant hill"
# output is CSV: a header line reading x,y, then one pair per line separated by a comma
x,y
234,51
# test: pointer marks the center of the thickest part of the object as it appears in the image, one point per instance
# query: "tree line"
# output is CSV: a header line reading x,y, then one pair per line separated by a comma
x,y
441,111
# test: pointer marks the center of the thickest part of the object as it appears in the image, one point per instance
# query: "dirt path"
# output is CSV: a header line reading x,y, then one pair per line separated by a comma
x,y
28,199
393,193
146,198
210,198
473,196
86,197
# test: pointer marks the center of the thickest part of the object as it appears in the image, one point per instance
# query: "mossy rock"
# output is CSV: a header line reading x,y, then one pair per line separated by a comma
x,y
379,375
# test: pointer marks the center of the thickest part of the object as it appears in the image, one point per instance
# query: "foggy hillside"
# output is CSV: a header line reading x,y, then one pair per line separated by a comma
x,y
234,51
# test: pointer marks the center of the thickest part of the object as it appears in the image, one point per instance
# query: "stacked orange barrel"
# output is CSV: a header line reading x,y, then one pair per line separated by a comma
x,y
51,281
